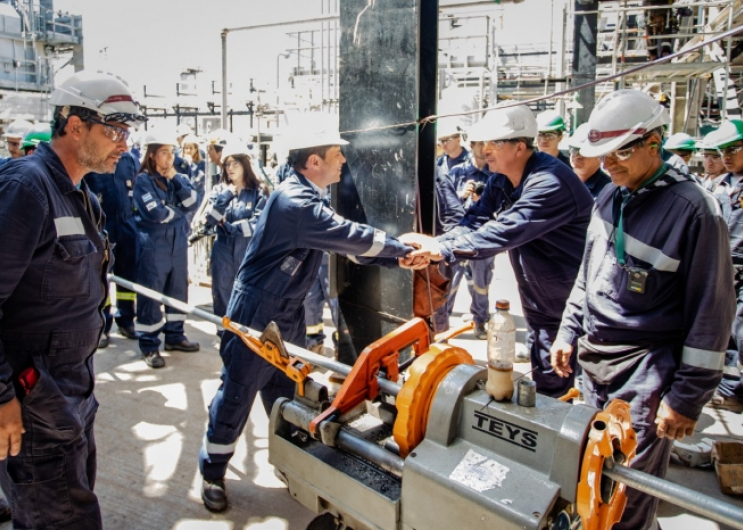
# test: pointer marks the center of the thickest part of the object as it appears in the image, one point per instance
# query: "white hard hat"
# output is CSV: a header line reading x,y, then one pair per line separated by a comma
x,y
17,129
221,137
550,121
447,127
234,148
191,139
313,130
579,138
730,131
504,124
183,129
160,138
621,117
107,95
681,142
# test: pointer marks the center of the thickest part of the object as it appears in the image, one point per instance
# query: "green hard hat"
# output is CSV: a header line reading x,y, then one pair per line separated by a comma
x,y
680,142
550,120
730,131
40,132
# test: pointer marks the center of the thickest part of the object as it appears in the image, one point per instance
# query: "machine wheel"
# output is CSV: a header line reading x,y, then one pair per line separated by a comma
x,y
326,521
414,399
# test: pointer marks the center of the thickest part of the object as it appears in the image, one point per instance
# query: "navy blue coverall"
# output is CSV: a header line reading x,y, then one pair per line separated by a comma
x,y
663,340
283,257
235,217
162,206
543,226
449,211
597,182
52,291
114,192
198,181
479,273
730,194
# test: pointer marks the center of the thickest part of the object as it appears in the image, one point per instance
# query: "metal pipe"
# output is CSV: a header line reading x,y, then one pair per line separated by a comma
x,y
301,416
224,78
724,109
691,500
385,385
371,452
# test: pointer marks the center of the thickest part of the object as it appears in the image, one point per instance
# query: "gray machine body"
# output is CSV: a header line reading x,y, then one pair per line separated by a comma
x,y
482,465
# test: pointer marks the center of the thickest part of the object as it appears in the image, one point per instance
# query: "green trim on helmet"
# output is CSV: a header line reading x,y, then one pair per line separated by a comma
x,y
41,132
686,145
556,124
728,133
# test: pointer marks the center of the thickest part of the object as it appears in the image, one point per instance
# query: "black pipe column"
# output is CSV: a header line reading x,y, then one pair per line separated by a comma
x,y
584,55
388,54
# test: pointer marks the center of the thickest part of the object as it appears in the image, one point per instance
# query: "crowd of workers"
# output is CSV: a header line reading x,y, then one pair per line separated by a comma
x,y
628,267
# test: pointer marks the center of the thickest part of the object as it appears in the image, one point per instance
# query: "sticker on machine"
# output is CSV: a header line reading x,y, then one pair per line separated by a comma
x,y
479,473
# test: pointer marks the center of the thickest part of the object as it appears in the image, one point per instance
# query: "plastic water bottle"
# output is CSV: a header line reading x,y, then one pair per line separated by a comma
x,y
501,352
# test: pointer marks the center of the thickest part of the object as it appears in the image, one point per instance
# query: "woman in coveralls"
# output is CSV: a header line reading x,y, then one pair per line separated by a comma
x,y
233,208
162,198
192,155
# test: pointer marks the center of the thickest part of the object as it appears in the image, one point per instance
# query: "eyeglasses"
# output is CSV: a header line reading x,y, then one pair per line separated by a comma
x,y
444,141
113,133
730,151
231,164
498,144
549,136
621,154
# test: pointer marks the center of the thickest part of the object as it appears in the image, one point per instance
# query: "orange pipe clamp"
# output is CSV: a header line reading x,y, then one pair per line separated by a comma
x,y
361,384
271,348
611,433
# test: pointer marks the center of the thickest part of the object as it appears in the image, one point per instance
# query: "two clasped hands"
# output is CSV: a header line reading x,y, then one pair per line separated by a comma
x,y
426,250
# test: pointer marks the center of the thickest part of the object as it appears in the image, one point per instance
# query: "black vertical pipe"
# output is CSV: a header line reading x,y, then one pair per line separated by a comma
x,y
584,55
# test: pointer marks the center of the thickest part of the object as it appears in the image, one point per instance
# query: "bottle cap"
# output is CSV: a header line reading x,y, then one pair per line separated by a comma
x,y
503,304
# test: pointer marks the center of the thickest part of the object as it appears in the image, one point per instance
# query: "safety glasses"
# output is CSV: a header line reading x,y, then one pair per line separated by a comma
x,y
548,136
730,151
498,144
113,133
626,152
444,141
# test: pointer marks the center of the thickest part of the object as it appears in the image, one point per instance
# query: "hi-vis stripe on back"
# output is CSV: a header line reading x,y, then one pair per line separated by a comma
x,y
69,226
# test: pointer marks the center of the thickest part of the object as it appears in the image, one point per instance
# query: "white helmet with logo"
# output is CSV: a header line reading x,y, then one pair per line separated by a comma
x,y
504,124
105,94
620,118
17,129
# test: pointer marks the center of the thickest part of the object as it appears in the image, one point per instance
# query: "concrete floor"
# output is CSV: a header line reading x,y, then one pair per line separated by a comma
x,y
151,423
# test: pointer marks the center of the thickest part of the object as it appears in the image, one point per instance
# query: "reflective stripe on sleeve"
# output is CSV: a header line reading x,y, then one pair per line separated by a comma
x,y
245,227
219,449
148,328
215,214
171,215
707,359
175,317
191,200
69,226
380,238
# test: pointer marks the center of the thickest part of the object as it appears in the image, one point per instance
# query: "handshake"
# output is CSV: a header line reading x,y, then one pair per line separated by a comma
x,y
426,250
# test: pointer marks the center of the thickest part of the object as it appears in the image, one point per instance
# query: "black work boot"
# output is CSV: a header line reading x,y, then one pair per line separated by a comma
x,y
103,341
128,332
184,345
214,495
153,359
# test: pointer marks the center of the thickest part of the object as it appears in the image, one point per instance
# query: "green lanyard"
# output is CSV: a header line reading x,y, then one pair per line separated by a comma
x,y
619,232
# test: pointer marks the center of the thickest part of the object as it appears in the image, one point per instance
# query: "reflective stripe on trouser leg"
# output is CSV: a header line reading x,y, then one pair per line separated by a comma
x,y
245,376
642,386
481,271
